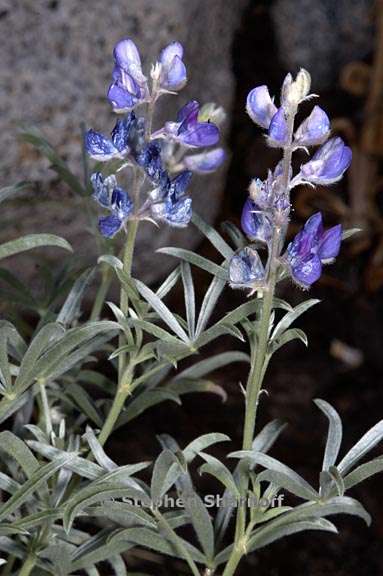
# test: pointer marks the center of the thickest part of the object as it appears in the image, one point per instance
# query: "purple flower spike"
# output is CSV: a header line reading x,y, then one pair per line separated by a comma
x,y
255,224
115,199
99,147
173,70
129,87
246,268
314,130
188,131
205,162
311,248
260,106
278,130
328,163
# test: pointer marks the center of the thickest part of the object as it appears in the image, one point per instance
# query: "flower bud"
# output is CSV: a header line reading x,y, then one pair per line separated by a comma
x,y
260,106
294,91
314,130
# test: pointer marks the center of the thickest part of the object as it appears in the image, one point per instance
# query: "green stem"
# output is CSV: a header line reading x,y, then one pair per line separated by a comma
x,y
178,544
28,565
106,280
257,371
118,404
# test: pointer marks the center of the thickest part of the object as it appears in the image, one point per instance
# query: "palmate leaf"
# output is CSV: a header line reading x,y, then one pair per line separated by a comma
x,y
216,468
361,448
290,317
196,260
208,303
71,306
213,236
200,444
162,479
31,241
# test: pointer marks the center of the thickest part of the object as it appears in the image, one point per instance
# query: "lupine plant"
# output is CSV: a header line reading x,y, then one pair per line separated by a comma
x,y
73,377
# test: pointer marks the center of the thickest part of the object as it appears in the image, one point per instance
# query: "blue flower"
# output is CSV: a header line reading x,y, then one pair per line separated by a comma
x,y
260,106
205,162
328,164
246,269
278,129
312,247
129,87
314,130
188,131
170,202
150,159
113,198
255,223
172,69
101,148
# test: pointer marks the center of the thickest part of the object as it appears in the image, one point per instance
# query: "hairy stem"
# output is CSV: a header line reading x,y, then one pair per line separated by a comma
x,y
28,565
257,371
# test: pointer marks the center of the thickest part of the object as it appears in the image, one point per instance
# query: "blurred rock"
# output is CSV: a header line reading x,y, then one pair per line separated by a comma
x,y
55,67
323,36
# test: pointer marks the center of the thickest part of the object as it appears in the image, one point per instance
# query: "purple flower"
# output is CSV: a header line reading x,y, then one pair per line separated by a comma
x,y
113,198
328,164
150,159
103,149
173,70
205,162
246,269
188,131
312,247
314,130
260,106
255,223
170,201
129,87
278,129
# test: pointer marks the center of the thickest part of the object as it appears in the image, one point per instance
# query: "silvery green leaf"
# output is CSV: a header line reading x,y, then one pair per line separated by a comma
x,y
123,475
38,518
361,448
169,283
70,342
200,444
278,474
350,232
84,402
78,465
286,337
335,505
201,522
99,492
271,513
363,472
112,261
162,310
265,439
8,333
8,406
98,452
208,365
188,285
152,329
118,565
190,385
9,529
212,235
39,345
149,539
215,468
71,306
7,484
236,236
338,480
290,317
265,536
122,513
15,190
334,437
32,241
162,481
40,476
208,303
17,449
146,400
97,549
196,260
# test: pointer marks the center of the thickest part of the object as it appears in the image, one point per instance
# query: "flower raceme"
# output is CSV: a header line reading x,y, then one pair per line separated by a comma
x,y
265,214
157,155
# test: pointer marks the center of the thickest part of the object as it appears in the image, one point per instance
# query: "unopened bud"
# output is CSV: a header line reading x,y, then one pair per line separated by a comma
x,y
212,112
293,92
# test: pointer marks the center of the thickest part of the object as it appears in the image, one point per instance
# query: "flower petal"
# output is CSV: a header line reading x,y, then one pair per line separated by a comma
x,y
314,130
330,243
307,271
173,69
121,99
121,203
260,106
278,130
199,135
246,267
255,224
109,225
205,162
99,147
